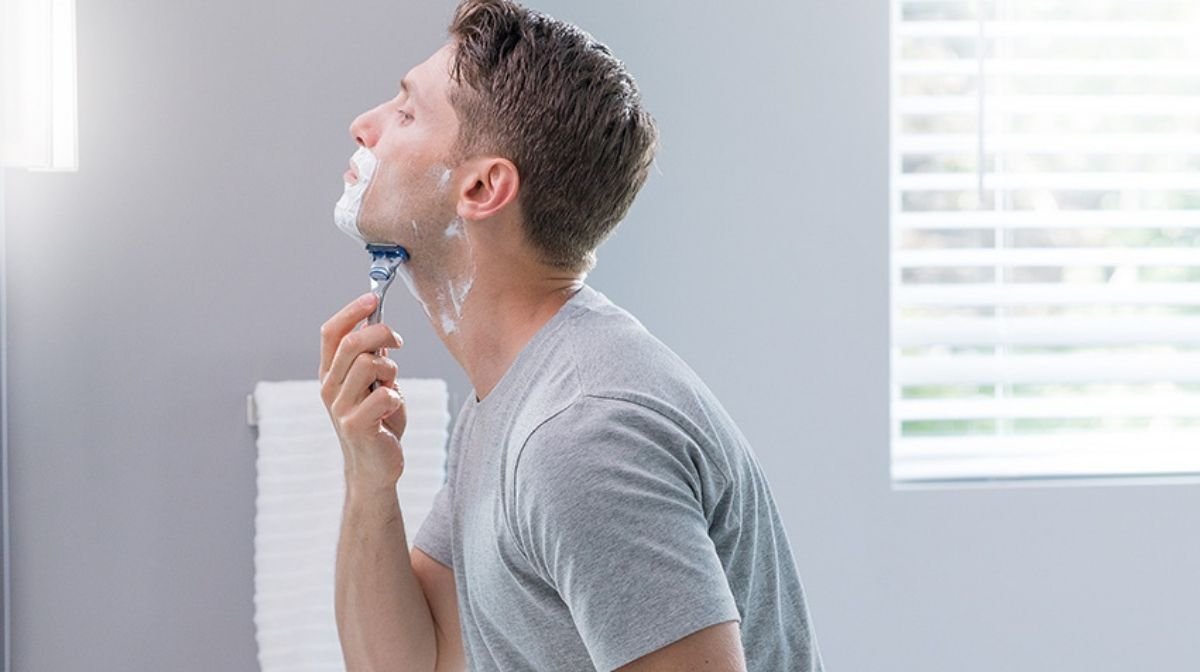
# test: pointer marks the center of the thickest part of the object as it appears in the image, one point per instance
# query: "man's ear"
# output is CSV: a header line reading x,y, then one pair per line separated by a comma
x,y
488,189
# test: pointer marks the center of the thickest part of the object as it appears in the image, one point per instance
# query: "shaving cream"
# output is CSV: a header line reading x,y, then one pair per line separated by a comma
x,y
449,293
349,207
453,297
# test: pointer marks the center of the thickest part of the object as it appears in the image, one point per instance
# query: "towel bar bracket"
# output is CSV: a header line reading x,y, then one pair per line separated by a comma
x,y
251,411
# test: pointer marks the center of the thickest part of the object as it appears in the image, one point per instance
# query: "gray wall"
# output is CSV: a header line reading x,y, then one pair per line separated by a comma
x,y
193,254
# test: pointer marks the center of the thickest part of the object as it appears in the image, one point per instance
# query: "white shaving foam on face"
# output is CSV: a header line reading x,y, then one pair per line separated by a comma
x,y
450,297
412,289
458,295
348,209
449,326
456,292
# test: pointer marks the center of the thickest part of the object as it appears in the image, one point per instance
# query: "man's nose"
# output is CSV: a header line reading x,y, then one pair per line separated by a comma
x,y
362,130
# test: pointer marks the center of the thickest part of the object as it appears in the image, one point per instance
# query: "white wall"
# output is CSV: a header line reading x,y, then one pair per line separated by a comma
x,y
200,257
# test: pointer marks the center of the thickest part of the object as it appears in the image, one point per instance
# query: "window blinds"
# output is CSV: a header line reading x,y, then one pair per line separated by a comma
x,y
1045,238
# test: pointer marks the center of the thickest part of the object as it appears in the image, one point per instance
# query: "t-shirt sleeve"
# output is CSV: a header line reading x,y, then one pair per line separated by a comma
x,y
608,506
434,535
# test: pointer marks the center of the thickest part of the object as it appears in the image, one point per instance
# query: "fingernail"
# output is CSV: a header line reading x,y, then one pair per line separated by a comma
x,y
366,299
399,341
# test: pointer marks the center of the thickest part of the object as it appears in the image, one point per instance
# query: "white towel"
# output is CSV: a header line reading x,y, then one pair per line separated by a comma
x,y
301,490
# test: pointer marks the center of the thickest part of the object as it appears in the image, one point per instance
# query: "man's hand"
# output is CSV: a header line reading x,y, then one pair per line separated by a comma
x,y
368,424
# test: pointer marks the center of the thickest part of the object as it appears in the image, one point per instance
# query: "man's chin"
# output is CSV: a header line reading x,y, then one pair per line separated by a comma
x,y
373,236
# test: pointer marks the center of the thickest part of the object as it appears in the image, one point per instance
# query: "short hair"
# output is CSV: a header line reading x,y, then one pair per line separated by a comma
x,y
550,98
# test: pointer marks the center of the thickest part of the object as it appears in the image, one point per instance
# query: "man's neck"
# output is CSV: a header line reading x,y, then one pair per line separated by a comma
x,y
499,321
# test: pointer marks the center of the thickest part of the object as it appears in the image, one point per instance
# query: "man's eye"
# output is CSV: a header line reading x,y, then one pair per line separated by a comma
x,y
405,114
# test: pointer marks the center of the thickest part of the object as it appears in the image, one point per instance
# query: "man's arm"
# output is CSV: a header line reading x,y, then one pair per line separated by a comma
x,y
441,592
383,619
717,648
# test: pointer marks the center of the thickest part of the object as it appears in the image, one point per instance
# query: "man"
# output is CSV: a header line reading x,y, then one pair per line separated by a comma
x,y
601,510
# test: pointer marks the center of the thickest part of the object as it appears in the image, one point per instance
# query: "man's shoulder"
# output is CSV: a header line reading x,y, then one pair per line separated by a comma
x,y
604,372
602,350
605,352
597,430
614,354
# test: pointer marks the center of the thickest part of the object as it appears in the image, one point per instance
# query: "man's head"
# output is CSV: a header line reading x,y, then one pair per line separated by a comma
x,y
519,119
547,96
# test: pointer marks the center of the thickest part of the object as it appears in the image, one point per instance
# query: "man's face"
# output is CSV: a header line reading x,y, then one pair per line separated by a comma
x,y
410,135
411,200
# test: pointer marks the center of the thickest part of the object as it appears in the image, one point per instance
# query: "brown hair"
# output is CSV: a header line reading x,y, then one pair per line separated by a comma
x,y
550,98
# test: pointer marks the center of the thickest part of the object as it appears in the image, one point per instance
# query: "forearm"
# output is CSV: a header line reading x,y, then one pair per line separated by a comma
x,y
383,620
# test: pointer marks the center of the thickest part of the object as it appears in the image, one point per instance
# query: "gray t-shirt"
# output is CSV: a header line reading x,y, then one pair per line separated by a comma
x,y
600,504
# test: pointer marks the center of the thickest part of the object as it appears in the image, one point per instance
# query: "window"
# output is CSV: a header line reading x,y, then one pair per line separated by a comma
x,y
38,115
1045,238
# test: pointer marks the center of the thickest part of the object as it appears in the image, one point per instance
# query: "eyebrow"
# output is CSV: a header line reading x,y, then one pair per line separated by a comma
x,y
408,88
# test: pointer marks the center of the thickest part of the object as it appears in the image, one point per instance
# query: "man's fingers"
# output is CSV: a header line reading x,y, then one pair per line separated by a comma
x,y
378,404
342,322
367,368
368,339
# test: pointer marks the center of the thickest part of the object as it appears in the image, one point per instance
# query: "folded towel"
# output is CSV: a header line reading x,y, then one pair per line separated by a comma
x,y
301,491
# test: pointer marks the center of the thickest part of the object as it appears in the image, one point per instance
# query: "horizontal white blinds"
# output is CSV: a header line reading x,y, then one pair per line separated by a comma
x,y
1045,232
